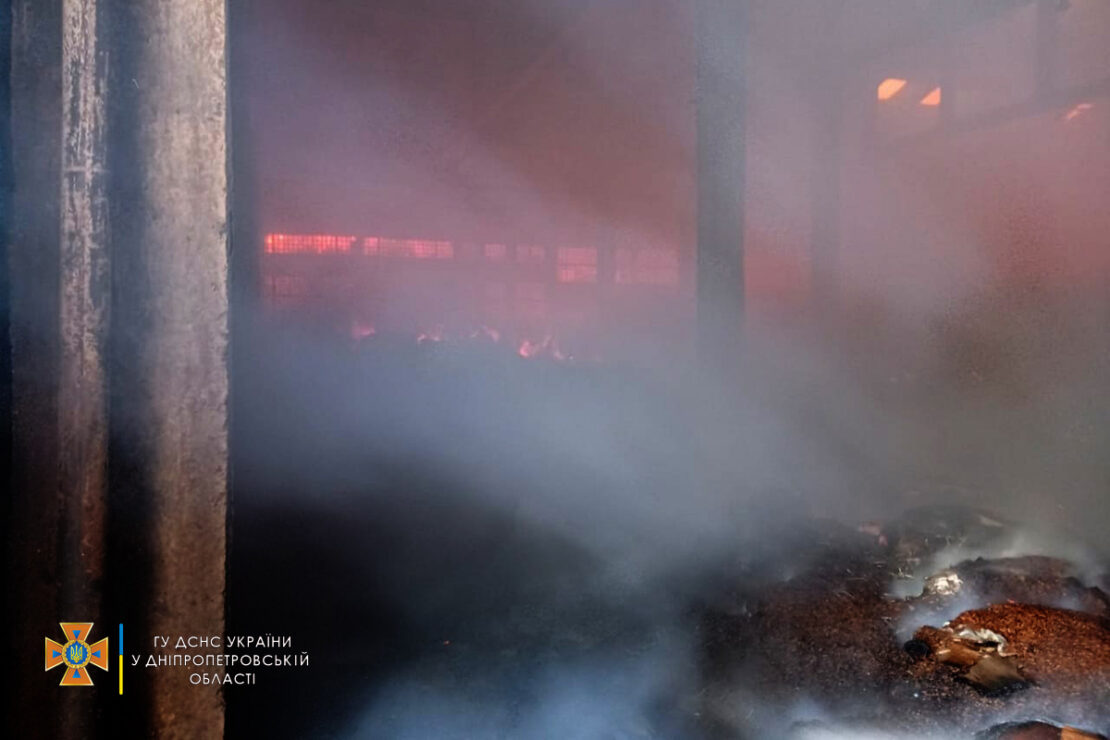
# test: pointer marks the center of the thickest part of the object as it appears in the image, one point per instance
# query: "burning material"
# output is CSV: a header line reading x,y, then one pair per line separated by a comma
x,y
546,348
308,243
932,99
1077,110
890,87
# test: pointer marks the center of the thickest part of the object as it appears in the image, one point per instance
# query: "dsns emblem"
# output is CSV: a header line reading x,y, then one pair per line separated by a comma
x,y
77,654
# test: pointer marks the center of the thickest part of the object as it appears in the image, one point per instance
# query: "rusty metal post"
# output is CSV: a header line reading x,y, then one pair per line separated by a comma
x,y
84,302
58,260
118,343
170,327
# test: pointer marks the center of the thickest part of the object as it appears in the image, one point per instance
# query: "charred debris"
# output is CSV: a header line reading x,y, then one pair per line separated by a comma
x,y
925,625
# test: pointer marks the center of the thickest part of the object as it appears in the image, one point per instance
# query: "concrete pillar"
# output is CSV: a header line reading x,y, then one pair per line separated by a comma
x,y
721,32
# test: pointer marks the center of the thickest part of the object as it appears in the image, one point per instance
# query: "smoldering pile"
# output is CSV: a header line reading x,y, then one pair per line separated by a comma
x,y
988,639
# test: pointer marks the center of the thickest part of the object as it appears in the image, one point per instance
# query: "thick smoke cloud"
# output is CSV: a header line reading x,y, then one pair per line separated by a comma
x,y
532,535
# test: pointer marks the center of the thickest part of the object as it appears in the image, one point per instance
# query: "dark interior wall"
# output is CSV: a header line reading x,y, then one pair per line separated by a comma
x,y
1004,180
538,121
561,125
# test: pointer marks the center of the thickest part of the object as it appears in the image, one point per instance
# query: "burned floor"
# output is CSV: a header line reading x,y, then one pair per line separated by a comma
x,y
460,595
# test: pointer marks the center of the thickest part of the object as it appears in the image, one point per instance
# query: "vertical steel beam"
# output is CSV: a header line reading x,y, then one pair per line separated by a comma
x,y
170,327
57,261
721,61
119,366
825,201
84,300
1047,46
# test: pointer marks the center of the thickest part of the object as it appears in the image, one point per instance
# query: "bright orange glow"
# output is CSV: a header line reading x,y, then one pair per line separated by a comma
x,y
890,87
308,243
415,249
574,264
526,347
933,98
376,246
1077,111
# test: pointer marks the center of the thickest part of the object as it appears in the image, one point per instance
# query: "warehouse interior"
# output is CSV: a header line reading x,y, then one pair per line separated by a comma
x,y
542,368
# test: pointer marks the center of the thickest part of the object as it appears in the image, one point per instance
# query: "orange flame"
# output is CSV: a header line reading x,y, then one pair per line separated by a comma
x,y
890,87
1077,111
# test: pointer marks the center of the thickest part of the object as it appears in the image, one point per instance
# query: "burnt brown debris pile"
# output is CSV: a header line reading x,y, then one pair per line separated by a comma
x,y
1006,647
978,655
1033,579
1035,731
985,645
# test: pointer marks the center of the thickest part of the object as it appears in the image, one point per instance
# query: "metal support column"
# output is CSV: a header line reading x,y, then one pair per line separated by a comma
x,y
721,32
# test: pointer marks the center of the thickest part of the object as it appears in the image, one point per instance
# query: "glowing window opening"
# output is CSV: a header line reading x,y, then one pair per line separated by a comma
x,y
308,243
576,265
